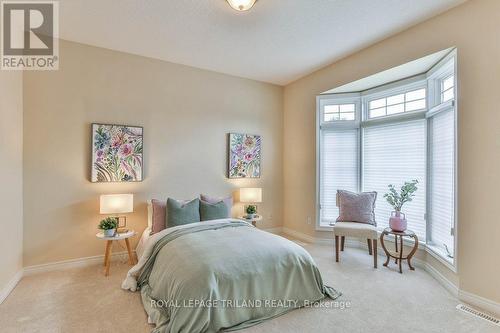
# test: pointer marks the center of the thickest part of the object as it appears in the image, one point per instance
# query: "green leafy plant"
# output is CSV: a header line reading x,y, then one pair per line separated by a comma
x,y
108,223
397,200
251,209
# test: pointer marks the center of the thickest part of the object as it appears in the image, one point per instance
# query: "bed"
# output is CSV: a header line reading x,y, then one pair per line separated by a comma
x,y
221,275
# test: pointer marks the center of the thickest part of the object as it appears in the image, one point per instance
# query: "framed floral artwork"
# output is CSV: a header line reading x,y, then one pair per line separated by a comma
x,y
244,155
117,153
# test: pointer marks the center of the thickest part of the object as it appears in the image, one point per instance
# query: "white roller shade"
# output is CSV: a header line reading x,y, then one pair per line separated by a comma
x,y
442,175
392,154
339,155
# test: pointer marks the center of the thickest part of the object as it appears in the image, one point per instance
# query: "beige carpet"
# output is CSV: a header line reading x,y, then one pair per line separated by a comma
x,y
382,300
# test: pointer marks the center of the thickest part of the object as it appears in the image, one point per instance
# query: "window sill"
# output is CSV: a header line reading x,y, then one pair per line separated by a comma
x,y
441,256
324,227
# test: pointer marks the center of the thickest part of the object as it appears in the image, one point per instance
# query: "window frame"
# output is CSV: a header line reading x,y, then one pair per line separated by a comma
x,y
431,80
399,87
338,99
321,101
435,76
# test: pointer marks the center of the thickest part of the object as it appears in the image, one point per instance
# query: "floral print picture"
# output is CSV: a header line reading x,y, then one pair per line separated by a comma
x,y
116,153
244,155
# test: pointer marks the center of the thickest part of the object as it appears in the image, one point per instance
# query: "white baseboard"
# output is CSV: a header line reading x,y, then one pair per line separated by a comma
x,y
72,263
299,235
480,302
5,292
447,284
276,230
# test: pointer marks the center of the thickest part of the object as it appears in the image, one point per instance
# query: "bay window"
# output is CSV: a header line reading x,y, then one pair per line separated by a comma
x,y
389,135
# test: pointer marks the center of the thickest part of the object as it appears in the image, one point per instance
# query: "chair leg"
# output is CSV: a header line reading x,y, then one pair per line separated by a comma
x,y
369,246
375,253
337,248
342,240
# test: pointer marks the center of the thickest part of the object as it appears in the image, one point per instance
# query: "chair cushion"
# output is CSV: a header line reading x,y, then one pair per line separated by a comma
x,y
355,229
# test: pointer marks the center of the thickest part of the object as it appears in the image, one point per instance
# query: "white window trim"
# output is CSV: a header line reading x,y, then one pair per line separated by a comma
x,y
395,88
443,69
321,101
430,80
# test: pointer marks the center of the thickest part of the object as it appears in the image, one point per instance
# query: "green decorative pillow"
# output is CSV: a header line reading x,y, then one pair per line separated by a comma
x,y
180,213
210,211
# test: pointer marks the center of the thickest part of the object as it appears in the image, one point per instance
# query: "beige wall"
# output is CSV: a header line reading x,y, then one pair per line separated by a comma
x,y
473,27
186,114
11,152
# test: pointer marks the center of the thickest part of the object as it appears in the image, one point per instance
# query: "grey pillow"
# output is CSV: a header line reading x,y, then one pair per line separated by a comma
x,y
209,211
180,213
213,200
356,207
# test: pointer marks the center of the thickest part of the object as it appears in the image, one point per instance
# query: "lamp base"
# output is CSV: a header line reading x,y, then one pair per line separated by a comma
x,y
122,223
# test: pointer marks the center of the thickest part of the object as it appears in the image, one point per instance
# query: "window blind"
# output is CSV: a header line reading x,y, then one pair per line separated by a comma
x,y
442,174
392,154
339,169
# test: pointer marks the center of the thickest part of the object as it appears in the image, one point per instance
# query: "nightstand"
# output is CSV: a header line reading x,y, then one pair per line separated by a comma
x,y
109,244
254,220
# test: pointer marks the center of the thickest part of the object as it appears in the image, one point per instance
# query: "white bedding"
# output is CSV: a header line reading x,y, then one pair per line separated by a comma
x,y
139,250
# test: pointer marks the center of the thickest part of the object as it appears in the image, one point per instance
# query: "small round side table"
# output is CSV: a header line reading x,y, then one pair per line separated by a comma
x,y
109,242
398,254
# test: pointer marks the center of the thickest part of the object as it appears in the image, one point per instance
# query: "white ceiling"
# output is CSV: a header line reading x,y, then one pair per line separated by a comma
x,y
278,41
412,68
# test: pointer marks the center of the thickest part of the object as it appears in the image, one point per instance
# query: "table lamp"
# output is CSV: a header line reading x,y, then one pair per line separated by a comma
x,y
250,196
115,204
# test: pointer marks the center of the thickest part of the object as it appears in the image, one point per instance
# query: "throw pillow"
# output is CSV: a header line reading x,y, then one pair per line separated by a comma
x,y
209,211
228,201
356,207
180,213
158,215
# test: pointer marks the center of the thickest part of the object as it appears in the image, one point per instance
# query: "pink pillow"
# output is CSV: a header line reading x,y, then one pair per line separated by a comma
x,y
159,216
356,207
213,200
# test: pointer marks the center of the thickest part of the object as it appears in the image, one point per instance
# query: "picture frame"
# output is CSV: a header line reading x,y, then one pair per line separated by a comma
x,y
244,155
117,153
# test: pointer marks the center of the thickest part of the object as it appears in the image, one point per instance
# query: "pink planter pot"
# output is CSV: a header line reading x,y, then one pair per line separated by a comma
x,y
397,221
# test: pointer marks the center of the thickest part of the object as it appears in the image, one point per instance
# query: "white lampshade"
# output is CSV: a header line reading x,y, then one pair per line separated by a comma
x,y
241,5
250,195
117,203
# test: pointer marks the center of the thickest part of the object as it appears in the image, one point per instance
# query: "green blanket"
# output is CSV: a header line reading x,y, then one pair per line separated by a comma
x,y
226,276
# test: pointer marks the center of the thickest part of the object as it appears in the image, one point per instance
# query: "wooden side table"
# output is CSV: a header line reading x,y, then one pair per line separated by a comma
x,y
109,244
398,254
254,220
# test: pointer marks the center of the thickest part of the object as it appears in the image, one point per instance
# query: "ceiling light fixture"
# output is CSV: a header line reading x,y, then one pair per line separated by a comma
x,y
241,5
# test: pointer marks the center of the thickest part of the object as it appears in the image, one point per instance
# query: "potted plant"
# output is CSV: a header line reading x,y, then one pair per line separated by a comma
x,y
251,211
108,226
396,199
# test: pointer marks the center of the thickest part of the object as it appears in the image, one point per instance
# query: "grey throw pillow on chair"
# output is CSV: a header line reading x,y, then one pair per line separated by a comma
x,y
356,207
